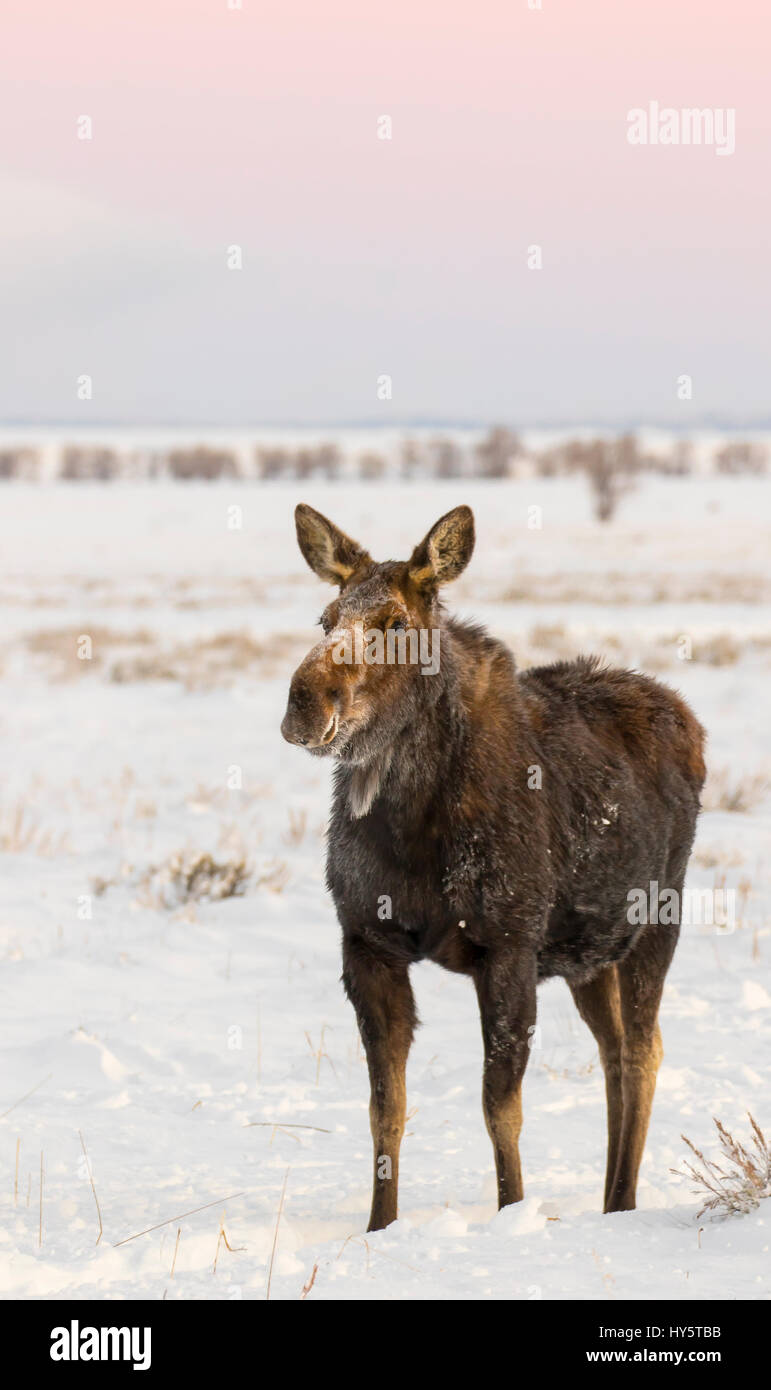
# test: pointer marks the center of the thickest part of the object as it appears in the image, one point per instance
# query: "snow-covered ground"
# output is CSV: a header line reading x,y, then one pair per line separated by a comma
x,y
203,1052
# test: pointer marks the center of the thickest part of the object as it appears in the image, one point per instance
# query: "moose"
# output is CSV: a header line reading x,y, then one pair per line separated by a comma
x,y
506,818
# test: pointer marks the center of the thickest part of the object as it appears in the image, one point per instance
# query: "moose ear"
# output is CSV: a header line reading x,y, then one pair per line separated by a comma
x,y
330,553
444,553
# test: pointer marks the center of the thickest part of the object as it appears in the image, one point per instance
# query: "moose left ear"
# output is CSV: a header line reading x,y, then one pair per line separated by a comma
x,y
444,553
330,553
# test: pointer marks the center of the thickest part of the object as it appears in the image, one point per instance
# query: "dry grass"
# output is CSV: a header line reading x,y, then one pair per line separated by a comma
x,y
742,1186
724,791
275,1234
205,663
621,588
298,824
553,638
191,876
631,647
319,1053
223,1240
183,1215
218,661
59,647
220,797
720,650
185,878
93,1188
21,833
274,876
211,662
184,593
26,1096
710,857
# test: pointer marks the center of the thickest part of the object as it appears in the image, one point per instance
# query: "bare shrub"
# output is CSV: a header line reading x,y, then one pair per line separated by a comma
x,y
494,456
305,464
741,456
743,1186
328,458
89,464
446,457
608,465
412,459
273,463
620,457
203,463
680,461
677,462
310,461
19,463
550,462
372,466
322,461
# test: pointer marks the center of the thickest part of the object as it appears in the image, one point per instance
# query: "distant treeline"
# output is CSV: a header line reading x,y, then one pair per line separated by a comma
x,y
609,463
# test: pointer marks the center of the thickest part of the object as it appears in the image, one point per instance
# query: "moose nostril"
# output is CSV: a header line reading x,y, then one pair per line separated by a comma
x,y
288,730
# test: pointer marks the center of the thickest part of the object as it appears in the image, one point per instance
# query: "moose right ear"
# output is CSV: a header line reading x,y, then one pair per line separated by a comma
x,y
331,554
444,553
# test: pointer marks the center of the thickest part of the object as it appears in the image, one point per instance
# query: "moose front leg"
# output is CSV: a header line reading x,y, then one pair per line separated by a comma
x,y
505,983
381,994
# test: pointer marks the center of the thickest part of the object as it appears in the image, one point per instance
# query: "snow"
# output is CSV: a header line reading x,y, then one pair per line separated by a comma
x,y
188,1045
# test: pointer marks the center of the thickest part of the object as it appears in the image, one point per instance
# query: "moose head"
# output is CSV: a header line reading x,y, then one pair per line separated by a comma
x,y
359,686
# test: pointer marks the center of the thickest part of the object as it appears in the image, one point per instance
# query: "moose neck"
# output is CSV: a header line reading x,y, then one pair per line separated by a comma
x,y
409,774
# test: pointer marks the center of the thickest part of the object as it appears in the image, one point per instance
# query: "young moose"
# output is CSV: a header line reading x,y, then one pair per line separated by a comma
x,y
507,817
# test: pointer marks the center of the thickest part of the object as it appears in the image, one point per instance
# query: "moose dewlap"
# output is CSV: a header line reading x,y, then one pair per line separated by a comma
x,y
506,817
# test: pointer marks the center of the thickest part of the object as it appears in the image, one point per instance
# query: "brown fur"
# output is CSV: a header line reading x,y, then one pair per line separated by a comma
x,y
436,813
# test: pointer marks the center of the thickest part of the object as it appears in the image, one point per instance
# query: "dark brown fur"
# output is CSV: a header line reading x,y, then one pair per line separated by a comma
x,y
436,811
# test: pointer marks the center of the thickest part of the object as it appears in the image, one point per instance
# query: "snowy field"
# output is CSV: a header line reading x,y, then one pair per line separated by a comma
x,y
202,1052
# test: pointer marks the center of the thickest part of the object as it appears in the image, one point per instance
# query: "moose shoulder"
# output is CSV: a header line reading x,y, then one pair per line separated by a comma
x,y
503,819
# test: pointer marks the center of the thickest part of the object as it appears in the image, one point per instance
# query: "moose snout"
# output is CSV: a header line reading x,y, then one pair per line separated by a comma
x,y
312,712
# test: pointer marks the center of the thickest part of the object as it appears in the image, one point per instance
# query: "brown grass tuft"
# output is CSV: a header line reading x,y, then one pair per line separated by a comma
x,y
20,833
748,1180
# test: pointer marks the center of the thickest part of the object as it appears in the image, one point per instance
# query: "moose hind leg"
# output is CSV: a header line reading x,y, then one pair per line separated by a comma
x,y
641,981
599,1004
385,1010
505,984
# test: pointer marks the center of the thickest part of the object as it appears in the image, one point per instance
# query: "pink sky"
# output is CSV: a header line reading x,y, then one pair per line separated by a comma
x,y
364,256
